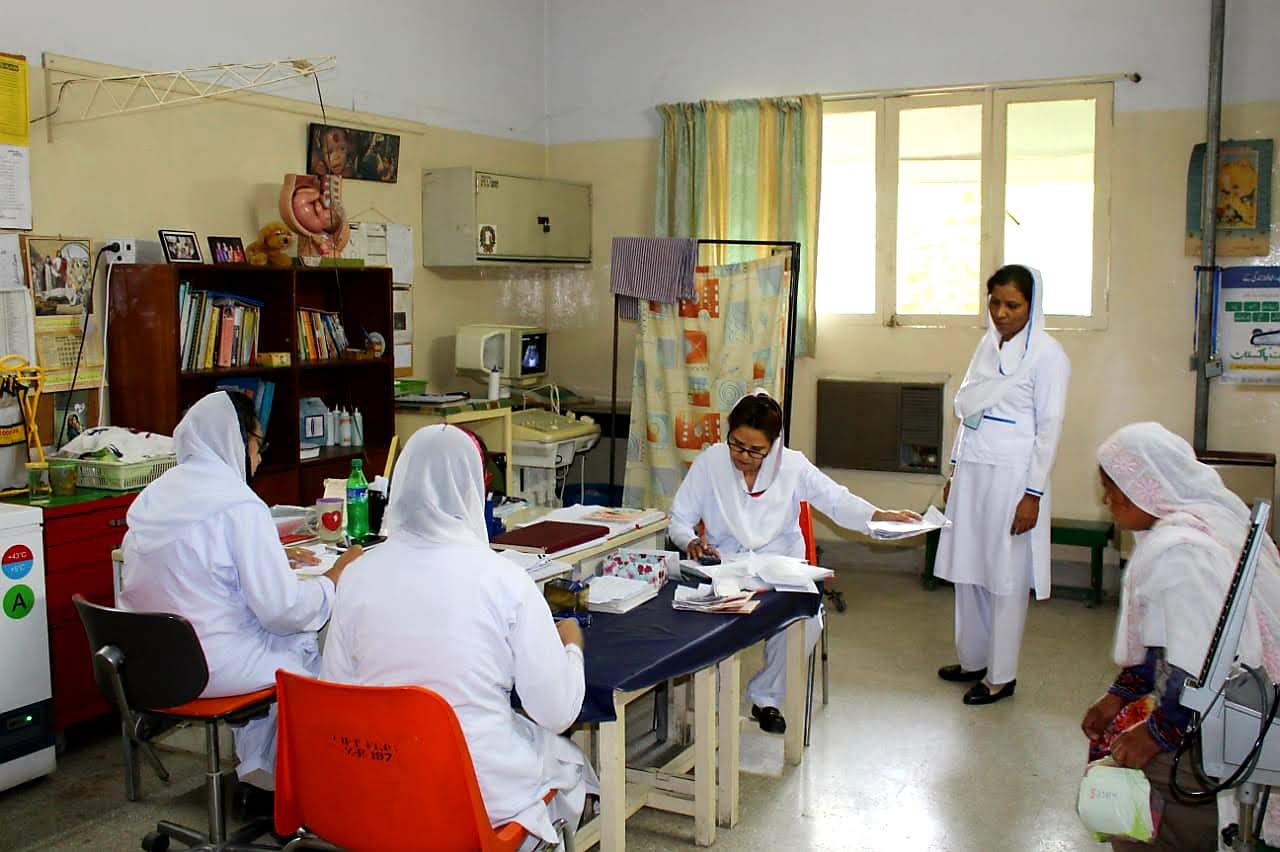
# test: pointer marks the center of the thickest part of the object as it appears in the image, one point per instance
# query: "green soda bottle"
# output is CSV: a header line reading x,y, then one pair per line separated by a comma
x,y
357,503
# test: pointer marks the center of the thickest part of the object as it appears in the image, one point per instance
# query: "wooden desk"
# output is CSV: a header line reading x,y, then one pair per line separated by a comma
x,y
492,425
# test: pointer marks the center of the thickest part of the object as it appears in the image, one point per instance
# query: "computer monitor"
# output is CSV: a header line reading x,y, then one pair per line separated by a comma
x,y
519,352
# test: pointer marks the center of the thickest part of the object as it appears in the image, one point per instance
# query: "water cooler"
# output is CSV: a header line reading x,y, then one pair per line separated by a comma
x,y
26,695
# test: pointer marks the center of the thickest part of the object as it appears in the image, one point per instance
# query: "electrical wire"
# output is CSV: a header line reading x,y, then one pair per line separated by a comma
x,y
84,334
1192,739
62,88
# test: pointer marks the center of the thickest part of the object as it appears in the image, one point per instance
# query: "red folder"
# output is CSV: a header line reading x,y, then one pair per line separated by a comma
x,y
549,537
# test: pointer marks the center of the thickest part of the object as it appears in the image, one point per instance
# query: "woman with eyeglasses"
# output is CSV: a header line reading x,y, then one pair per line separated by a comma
x,y
1011,404
202,544
746,493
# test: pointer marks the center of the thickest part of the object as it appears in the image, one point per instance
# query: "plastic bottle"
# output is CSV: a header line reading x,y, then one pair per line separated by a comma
x,y
357,429
330,429
344,427
357,503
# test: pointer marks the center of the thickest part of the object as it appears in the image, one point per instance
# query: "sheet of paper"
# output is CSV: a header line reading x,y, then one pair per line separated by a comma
x,y
892,530
404,356
15,117
612,588
402,315
15,187
11,275
399,253
325,553
17,324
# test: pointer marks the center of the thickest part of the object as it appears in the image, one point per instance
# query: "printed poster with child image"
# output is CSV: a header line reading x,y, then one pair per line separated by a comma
x,y
1248,324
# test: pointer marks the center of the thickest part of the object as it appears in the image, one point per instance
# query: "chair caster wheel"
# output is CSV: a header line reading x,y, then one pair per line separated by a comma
x,y
155,842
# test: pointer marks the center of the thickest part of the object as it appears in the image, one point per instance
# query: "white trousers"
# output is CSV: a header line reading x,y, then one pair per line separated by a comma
x,y
989,631
769,686
568,805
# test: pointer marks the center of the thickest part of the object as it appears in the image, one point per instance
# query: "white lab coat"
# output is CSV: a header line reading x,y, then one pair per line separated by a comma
x,y
715,493
434,607
1010,454
202,545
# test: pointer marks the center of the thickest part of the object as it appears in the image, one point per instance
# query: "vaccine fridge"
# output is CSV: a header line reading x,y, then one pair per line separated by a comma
x,y
26,695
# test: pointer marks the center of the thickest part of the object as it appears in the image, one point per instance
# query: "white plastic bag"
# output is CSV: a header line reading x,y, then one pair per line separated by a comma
x,y
1115,802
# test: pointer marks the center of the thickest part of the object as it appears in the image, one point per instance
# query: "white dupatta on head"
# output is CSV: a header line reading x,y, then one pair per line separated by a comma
x,y
1159,473
995,369
757,520
208,480
437,493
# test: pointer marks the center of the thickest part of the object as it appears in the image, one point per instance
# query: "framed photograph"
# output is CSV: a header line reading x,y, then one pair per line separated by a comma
x,y
58,272
1243,207
180,247
353,154
226,250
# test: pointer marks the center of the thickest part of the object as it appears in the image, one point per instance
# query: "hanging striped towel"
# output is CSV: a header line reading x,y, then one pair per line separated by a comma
x,y
659,269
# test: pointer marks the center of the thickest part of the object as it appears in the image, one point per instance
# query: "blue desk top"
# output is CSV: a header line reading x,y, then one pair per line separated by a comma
x,y
654,642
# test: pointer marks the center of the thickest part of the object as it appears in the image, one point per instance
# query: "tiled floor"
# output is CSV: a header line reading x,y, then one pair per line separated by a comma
x,y
897,762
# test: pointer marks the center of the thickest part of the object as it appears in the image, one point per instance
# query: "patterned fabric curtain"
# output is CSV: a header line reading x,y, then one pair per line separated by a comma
x,y
745,170
694,361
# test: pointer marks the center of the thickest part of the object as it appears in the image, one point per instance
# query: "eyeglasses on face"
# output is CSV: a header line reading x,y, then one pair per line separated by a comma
x,y
746,451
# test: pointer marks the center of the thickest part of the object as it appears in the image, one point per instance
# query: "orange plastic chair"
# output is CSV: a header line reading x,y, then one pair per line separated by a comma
x,y
811,556
378,768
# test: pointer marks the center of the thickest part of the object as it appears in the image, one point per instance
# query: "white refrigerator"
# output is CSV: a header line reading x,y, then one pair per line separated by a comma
x,y
26,694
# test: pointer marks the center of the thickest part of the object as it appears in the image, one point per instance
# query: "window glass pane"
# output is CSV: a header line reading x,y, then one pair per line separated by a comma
x,y
1048,219
939,210
847,220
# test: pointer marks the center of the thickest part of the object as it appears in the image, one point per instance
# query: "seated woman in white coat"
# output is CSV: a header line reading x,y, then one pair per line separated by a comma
x,y
435,607
201,544
1011,404
747,494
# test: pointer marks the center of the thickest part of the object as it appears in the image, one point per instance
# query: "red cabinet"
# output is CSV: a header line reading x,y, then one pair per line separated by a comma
x,y
79,535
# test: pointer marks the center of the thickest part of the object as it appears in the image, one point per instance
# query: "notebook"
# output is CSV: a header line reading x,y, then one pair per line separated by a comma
x,y
618,594
549,537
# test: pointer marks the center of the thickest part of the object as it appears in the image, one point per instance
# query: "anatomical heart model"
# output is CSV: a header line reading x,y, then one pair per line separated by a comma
x,y
312,207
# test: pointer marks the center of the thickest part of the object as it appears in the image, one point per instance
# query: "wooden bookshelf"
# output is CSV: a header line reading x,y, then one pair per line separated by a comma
x,y
149,390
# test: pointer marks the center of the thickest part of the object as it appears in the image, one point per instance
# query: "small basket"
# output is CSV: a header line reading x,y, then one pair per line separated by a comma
x,y
119,476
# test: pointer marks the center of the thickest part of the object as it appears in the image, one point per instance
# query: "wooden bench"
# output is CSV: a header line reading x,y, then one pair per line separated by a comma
x,y
1095,535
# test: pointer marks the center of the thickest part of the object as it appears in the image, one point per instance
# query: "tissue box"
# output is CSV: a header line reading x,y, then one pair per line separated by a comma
x,y
652,566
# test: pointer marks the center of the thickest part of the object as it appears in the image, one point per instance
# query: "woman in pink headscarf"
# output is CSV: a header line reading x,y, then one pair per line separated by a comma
x,y
1189,531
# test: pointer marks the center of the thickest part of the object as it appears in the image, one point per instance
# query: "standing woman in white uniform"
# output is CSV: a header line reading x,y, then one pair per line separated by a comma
x,y
747,494
1011,402
435,607
201,544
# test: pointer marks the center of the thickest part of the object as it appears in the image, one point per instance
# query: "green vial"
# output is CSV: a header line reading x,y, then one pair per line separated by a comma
x,y
357,503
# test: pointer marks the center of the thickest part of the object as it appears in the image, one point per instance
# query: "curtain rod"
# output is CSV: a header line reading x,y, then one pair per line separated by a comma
x,y
1131,76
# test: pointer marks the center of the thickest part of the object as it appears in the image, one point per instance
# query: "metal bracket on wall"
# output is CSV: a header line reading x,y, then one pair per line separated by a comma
x,y
130,93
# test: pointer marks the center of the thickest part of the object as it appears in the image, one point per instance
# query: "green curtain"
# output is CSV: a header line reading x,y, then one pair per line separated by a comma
x,y
745,170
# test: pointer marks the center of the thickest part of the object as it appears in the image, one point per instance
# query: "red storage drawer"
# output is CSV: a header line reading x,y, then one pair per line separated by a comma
x,y
76,697
87,525
89,578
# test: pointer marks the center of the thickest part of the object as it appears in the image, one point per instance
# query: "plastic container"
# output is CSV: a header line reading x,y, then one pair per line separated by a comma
x,y
62,477
118,476
39,491
408,386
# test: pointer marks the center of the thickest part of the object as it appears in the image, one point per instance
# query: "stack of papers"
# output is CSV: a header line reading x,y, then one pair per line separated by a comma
x,y
893,530
539,567
705,599
618,594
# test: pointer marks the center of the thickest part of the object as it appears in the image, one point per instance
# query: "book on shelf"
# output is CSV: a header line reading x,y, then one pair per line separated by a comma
x,y
308,451
217,329
321,336
260,391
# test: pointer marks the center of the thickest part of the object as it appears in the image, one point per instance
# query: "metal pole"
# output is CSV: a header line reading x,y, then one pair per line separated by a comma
x,y
1208,226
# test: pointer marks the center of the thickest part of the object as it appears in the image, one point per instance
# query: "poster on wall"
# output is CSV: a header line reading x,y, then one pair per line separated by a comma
x,y
354,154
1243,206
1247,330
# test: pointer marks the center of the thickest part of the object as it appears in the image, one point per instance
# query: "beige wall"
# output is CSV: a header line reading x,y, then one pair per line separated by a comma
x,y
1135,369
215,168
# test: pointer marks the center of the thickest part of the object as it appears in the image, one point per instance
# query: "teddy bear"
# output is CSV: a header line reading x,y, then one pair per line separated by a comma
x,y
272,246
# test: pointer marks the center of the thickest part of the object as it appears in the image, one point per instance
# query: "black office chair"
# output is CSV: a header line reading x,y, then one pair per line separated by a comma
x,y
151,663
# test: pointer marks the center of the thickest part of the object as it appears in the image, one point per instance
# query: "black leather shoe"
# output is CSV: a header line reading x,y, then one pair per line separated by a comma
x,y
252,802
955,674
770,719
979,693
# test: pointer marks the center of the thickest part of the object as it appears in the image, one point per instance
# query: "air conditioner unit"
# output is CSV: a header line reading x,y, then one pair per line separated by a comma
x,y
478,218
883,423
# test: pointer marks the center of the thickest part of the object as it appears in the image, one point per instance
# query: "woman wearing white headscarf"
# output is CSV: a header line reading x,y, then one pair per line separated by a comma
x,y
1011,404
435,607
1189,531
747,494
201,544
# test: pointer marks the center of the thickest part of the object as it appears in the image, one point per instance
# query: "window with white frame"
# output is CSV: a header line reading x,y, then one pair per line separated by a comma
x,y
924,196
